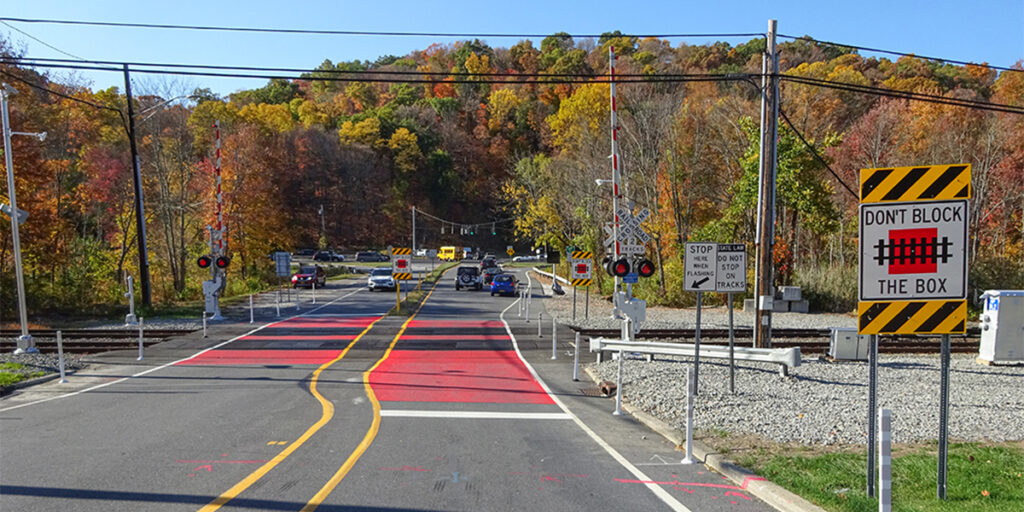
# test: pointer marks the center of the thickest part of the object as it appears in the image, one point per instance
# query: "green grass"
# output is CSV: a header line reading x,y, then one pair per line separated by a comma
x,y
8,377
989,478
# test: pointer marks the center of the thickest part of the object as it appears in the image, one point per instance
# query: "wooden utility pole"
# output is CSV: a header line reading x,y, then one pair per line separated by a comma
x,y
766,192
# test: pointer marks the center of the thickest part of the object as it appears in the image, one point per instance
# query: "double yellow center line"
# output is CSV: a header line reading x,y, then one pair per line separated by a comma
x,y
328,413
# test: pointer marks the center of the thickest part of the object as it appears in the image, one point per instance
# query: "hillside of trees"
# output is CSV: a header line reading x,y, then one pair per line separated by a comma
x,y
495,133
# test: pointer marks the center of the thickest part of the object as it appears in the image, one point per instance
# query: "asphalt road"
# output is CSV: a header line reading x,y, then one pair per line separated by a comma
x,y
457,408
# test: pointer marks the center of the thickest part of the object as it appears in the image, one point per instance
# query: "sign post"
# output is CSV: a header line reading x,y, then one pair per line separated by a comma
x,y
731,276
581,267
913,270
700,271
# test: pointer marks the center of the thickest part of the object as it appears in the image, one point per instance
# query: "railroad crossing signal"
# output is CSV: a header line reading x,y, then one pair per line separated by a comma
x,y
631,236
913,250
204,261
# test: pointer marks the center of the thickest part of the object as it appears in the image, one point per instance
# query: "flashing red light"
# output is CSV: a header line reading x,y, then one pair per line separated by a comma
x,y
204,261
620,268
223,262
645,268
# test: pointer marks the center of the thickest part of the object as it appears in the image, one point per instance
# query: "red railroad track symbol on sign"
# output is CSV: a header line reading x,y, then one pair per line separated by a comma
x,y
913,251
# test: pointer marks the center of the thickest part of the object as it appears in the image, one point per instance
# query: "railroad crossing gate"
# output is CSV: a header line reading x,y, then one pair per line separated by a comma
x,y
401,263
581,265
913,250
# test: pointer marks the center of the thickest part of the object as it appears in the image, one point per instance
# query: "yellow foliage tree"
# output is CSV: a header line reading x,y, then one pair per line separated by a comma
x,y
580,117
269,118
406,150
366,132
501,104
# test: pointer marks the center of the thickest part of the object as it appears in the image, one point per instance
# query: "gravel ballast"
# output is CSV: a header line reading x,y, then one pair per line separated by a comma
x,y
826,403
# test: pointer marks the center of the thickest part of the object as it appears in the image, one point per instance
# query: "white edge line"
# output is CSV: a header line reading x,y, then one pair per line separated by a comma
x,y
655,488
486,415
144,372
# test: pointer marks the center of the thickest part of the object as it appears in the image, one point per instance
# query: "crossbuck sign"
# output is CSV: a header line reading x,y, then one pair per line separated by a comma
x,y
631,236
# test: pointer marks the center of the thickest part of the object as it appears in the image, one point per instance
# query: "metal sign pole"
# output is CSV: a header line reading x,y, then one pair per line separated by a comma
x,y
573,303
618,387
586,308
885,461
691,391
696,346
554,337
398,296
943,418
872,412
60,356
732,340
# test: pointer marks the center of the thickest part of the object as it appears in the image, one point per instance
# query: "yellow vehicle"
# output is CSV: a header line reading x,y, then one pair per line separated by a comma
x,y
448,253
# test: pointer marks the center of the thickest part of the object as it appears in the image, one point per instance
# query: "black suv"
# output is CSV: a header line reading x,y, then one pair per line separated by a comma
x,y
469,277
371,256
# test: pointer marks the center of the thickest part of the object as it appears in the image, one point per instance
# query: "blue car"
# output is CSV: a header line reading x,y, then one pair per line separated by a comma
x,y
504,284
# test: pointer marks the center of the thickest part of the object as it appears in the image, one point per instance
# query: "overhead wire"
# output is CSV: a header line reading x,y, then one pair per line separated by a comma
x,y
40,41
898,53
817,156
356,32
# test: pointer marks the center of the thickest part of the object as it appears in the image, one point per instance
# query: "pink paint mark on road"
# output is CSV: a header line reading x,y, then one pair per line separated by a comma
x,y
684,489
208,467
456,337
456,323
298,337
221,461
406,468
549,478
747,480
737,494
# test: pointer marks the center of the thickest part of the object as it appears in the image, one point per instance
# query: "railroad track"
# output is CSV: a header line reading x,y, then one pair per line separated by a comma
x,y
803,338
88,341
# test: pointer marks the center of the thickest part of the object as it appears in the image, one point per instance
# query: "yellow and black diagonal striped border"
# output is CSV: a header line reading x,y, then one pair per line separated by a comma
x,y
399,251
582,255
582,282
912,317
921,183
402,276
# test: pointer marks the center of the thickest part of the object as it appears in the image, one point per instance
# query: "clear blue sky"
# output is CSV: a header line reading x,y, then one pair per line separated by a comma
x,y
981,31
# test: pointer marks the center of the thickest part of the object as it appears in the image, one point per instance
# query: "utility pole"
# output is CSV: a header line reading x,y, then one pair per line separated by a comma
x,y
766,192
414,231
25,343
140,214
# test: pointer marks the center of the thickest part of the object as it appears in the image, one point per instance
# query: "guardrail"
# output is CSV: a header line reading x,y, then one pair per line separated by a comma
x,y
786,357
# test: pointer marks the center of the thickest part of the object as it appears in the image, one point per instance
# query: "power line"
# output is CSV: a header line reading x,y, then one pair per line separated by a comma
x,y
900,54
355,32
453,223
40,41
60,94
907,95
817,156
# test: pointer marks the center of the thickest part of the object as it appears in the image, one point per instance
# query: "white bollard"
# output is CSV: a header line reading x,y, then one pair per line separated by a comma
x,y
60,356
884,460
691,389
576,360
618,387
296,299
140,338
252,318
527,314
540,334
314,291
554,337
204,324
279,303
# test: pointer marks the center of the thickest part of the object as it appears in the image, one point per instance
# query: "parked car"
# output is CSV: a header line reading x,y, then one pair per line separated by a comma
x,y
421,253
380,279
309,274
504,284
328,256
489,273
371,256
468,277
305,252
527,258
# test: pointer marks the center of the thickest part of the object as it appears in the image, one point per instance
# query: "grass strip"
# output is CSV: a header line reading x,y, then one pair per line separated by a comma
x,y
982,477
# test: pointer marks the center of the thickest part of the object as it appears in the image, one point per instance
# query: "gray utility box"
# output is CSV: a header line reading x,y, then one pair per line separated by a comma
x,y
1002,327
847,345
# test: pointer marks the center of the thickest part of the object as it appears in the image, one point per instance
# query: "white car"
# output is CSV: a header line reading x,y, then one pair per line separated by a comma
x,y
527,258
380,279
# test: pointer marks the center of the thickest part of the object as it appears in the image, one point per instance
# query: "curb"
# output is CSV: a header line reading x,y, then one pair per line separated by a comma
x,y
769,492
6,390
